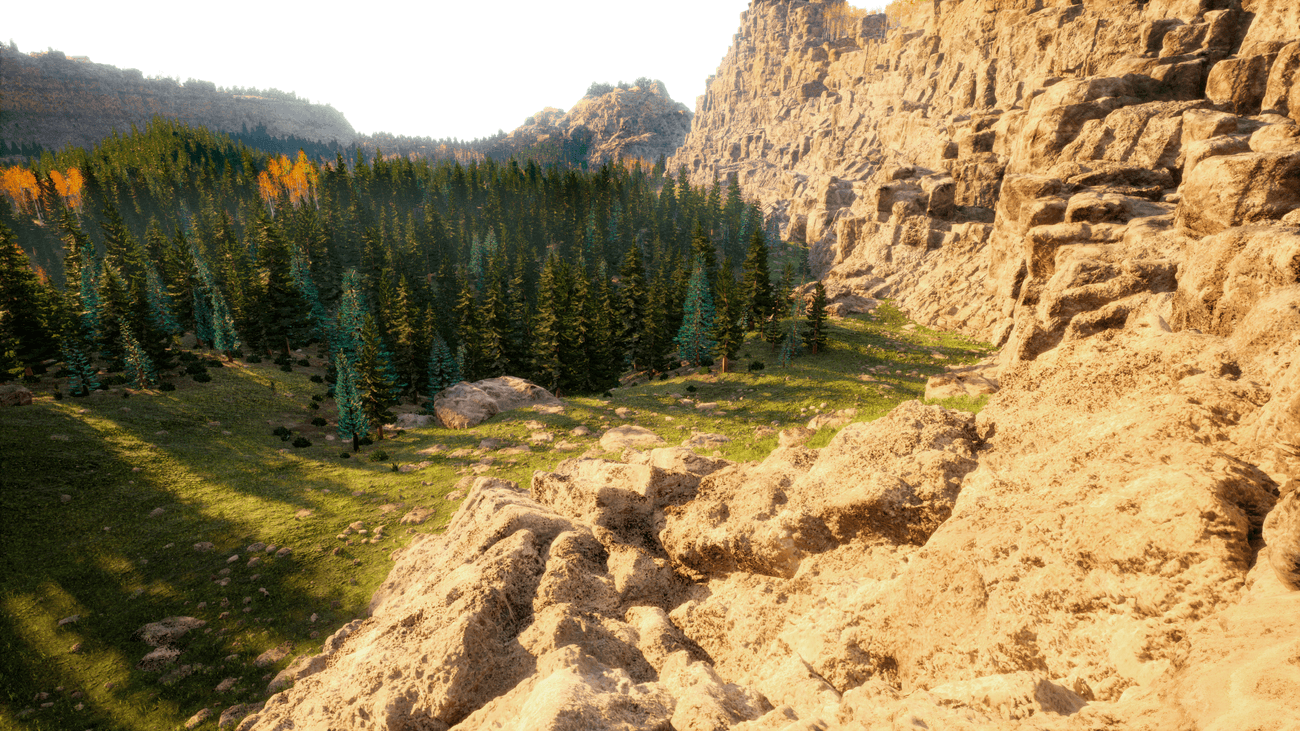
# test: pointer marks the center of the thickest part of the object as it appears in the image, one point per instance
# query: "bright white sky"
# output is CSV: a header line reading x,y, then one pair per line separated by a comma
x,y
435,68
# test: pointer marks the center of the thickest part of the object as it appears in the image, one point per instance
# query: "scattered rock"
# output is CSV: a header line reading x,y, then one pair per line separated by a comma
x,y
203,546
65,498
15,395
168,631
274,655
467,405
408,468
624,437
198,718
624,412
580,431
256,548
237,713
70,620
416,516
157,512
833,420
159,659
283,552
705,440
413,421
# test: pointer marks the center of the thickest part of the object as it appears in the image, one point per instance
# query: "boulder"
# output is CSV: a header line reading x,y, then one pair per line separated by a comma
x,y
414,421
1235,190
466,405
14,395
629,436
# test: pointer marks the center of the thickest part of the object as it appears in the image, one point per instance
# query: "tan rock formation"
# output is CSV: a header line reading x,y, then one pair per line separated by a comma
x,y
469,404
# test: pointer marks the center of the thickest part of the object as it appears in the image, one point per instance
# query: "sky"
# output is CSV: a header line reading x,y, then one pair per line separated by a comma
x,y
433,69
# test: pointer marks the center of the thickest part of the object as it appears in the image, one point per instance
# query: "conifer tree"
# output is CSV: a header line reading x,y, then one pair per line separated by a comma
x,y
729,329
493,323
603,352
694,340
548,326
283,310
224,338
79,362
139,366
444,372
756,282
814,336
113,307
26,327
377,382
518,338
790,343
322,324
468,328
408,357
632,295
352,421
350,316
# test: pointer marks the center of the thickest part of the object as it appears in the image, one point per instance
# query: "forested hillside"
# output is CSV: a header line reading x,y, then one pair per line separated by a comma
x,y
415,274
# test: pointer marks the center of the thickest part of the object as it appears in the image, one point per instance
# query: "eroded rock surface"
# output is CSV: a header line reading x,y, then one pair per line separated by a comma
x,y
467,405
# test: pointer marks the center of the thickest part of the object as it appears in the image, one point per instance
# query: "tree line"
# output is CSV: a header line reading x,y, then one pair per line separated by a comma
x,y
414,275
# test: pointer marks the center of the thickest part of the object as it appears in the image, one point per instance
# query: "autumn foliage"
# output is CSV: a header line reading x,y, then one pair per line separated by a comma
x,y
22,187
843,19
295,181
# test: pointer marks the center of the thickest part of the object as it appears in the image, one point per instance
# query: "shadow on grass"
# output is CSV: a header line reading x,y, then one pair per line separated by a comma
x,y
101,556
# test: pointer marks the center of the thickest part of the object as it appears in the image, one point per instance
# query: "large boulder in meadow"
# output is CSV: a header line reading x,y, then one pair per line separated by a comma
x,y
15,395
467,405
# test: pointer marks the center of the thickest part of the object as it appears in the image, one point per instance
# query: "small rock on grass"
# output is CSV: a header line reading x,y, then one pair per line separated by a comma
x,y
235,714
157,512
225,685
198,718
203,546
69,620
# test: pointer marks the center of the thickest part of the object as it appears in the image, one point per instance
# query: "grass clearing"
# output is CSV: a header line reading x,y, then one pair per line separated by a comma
x,y
148,477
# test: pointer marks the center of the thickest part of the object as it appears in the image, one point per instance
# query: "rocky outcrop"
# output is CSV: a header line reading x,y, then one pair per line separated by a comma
x,y
623,123
54,101
466,405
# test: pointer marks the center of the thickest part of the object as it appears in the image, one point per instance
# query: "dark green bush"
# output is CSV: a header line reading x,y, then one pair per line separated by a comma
x,y
314,406
318,421
756,366
194,368
203,377
282,432
317,379
301,442
691,389
318,397
366,441
287,368
58,395
253,359
305,363
380,456
345,455
166,386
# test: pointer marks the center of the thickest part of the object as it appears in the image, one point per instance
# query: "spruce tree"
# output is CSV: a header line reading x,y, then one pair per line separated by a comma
x,y
694,340
518,338
26,327
284,312
352,421
377,381
442,368
756,281
77,359
468,328
547,327
729,329
139,366
814,336
632,296
791,339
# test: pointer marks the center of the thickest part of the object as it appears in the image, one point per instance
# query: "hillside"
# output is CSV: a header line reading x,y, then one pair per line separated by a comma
x,y
52,101
1109,192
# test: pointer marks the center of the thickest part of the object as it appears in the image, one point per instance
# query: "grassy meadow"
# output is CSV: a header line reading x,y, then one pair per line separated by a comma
x,y
105,499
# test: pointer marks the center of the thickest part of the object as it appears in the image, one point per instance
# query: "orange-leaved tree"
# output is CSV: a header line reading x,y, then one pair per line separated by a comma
x,y
19,183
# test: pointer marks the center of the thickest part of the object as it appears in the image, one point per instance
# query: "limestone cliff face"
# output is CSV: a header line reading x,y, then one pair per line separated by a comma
x,y
888,149
630,123
55,101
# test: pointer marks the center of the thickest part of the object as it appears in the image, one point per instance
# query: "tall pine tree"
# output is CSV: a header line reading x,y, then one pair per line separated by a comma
x,y
694,340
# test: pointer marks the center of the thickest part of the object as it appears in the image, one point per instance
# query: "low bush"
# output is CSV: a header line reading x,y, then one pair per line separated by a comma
x,y
301,442
318,421
287,368
305,363
317,379
755,366
380,456
282,432
253,359
345,455
203,377
166,386
314,406
194,368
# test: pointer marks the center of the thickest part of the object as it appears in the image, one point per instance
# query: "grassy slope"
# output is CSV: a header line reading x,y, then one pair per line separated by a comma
x,y
205,455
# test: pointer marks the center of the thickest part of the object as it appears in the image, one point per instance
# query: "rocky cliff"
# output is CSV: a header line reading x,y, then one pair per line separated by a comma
x,y
53,101
631,123
1108,190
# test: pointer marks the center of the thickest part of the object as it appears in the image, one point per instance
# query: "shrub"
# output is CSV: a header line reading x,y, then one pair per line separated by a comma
x,y
194,369
126,394
188,357
287,368
756,366
366,442
281,360
203,377
301,442
380,456
58,395
283,433
305,363
314,406
253,359
318,421
166,386
213,363
345,455
318,397
317,379
395,468
691,389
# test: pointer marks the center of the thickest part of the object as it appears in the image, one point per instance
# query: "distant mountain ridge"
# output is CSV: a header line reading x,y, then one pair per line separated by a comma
x,y
51,100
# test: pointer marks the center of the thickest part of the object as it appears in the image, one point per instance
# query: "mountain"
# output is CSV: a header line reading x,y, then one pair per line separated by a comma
x,y
51,100
1109,192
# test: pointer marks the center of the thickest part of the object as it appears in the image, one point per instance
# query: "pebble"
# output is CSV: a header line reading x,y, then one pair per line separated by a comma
x,y
69,620
233,558
156,512
65,498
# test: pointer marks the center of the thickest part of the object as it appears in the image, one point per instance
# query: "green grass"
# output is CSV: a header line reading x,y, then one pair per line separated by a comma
x,y
206,455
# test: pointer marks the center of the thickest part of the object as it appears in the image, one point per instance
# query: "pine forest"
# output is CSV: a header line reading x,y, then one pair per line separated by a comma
x,y
414,275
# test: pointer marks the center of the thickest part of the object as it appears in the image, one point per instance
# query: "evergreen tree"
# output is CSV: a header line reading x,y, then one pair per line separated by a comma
x,y
444,372
814,336
79,362
468,329
160,306
756,281
603,351
729,330
702,249
352,421
350,317
284,312
493,326
114,305
26,327
632,298
322,324
790,342
139,366
517,343
548,326
694,340
377,381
